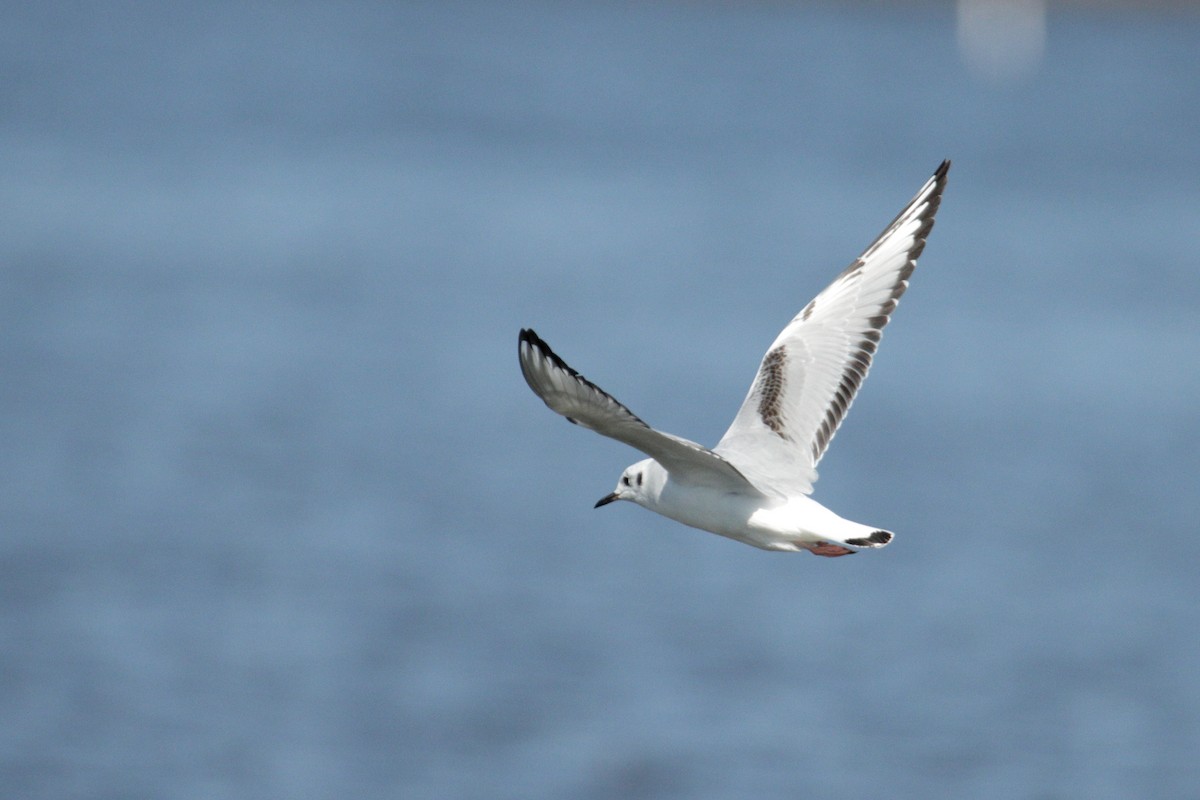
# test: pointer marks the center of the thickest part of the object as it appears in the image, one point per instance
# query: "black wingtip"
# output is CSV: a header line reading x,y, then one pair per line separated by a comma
x,y
529,337
938,179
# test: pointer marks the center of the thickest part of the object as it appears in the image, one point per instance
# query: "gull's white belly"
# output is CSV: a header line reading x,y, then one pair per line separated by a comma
x,y
790,524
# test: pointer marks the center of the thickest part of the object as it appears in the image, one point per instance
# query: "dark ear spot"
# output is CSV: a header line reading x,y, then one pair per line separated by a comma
x,y
639,479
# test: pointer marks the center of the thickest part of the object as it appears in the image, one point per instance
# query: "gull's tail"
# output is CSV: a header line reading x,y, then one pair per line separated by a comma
x,y
876,539
832,548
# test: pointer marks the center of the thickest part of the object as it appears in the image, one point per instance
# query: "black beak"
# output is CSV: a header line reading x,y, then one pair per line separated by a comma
x,y
603,501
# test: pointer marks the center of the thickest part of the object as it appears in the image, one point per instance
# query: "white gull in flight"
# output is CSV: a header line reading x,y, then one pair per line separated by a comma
x,y
754,486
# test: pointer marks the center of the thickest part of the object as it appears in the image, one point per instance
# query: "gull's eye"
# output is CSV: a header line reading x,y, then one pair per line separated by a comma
x,y
625,479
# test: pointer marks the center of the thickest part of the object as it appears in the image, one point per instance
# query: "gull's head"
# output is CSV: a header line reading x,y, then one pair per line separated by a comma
x,y
634,484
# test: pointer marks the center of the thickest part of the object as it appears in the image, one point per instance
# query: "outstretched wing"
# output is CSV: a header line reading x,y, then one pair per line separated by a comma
x,y
579,400
810,374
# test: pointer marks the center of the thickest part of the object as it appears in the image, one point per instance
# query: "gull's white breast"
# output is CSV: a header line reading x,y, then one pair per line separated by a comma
x,y
768,523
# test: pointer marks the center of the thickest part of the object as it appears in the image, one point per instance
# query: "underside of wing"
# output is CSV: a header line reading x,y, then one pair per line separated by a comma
x,y
584,403
811,373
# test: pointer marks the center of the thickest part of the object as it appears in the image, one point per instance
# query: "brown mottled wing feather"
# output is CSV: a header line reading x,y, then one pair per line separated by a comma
x,y
811,372
579,400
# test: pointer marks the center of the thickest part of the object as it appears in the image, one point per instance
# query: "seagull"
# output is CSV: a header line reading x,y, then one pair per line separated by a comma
x,y
754,486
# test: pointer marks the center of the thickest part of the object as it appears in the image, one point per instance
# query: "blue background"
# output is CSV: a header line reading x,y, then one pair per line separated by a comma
x,y
281,519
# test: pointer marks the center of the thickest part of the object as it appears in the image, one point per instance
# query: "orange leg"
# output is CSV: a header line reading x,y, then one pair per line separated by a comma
x,y
830,550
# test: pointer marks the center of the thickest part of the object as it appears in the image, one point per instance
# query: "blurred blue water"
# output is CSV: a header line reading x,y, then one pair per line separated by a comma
x,y
282,520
